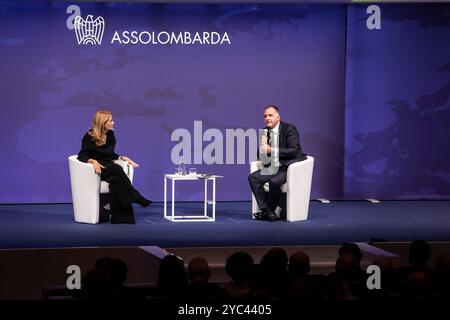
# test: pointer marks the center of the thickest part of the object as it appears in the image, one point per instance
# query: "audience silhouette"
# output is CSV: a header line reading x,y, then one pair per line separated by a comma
x,y
172,280
239,268
278,277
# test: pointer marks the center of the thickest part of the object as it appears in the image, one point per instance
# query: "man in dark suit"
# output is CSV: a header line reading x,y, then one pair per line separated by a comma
x,y
279,147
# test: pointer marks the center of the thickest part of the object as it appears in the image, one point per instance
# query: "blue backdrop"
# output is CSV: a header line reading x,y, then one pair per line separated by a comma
x,y
397,103
372,106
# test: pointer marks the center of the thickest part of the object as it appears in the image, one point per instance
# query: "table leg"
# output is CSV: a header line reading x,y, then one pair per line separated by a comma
x,y
214,200
173,199
205,213
165,197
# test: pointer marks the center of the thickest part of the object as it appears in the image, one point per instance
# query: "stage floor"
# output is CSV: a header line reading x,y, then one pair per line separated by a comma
x,y
52,225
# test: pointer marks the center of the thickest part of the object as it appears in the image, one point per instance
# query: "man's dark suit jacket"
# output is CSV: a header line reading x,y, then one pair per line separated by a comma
x,y
289,147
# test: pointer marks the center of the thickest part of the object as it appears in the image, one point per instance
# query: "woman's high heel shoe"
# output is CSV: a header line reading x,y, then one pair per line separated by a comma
x,y
144,202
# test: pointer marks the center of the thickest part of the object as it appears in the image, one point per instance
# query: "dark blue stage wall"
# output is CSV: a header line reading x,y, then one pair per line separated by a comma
x,y
397,118
375,119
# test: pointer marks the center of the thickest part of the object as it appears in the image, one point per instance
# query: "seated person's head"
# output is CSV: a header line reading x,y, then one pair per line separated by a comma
x,y
275,261
239,267
198,270
299,263
346,265
351,248
171,273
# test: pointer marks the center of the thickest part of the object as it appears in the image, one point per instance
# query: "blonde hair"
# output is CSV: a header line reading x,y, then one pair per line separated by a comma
x,y
98,131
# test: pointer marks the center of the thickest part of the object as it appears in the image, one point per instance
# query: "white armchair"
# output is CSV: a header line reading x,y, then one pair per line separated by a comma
x,y
297,188
87,187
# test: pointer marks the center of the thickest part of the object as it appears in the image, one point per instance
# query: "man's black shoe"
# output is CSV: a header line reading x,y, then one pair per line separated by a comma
x,y
271,215
259,215
263,215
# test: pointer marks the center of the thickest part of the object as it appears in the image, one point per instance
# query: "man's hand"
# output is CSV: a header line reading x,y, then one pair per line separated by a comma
x,y
97,166
266,149
134,164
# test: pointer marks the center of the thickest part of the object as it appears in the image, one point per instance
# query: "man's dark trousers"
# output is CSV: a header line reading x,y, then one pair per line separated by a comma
x,y
257,180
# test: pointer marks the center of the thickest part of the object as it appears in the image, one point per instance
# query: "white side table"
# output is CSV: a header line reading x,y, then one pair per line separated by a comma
x,y
191,218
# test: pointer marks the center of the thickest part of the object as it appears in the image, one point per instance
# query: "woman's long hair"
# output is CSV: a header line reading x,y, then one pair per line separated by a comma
x,y
98,131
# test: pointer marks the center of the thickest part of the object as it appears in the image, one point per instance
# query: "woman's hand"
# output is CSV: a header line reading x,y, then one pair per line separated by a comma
x,y
134,164
97,166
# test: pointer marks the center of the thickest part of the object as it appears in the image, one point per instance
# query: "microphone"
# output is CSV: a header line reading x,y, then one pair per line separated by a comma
x,y
264,138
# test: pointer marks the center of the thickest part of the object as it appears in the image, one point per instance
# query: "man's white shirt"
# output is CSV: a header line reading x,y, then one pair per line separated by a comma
x,y
275,142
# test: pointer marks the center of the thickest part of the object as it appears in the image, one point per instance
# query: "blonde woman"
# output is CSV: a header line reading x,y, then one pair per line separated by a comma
x,y
98,149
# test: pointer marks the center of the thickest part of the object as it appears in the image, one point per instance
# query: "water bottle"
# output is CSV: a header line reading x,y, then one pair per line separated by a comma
x,y
183,167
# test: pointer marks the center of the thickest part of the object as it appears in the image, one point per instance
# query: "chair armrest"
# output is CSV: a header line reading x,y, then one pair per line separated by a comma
x,y
82,176
300,172
85,185
299,179
255,166
127,168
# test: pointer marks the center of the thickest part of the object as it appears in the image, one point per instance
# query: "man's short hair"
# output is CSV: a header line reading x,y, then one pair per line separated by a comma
x,y
272,106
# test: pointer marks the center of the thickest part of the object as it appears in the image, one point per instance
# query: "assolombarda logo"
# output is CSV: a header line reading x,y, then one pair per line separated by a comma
x,y
90,31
